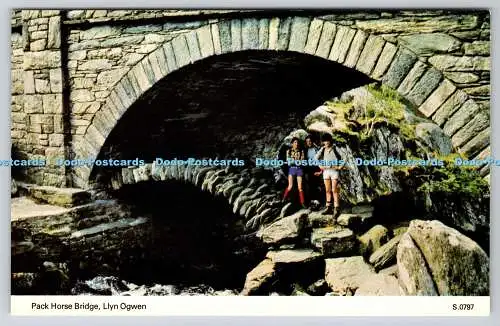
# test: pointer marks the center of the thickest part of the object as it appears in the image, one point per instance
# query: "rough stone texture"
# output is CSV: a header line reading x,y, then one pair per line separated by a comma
x,y
457,264
434,101
468,110
449,107
345,275
285,229
430,43
379,285
370,54
400,66
386,254
292,256
413,274
103,45
479,123
424,86
373,239
334,241
259,278
434,137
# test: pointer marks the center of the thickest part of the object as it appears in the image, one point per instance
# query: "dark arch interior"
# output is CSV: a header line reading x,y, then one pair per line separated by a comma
x,y
229,105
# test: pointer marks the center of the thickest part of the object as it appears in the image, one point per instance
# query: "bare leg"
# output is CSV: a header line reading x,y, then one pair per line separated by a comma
x,y
299,183
328,190
290,182
335,190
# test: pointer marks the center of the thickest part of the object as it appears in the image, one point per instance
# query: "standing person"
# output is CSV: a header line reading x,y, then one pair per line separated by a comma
x,y
330,176
292,154
312,182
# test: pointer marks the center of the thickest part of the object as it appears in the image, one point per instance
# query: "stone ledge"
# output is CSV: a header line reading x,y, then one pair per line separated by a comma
x,y
64,197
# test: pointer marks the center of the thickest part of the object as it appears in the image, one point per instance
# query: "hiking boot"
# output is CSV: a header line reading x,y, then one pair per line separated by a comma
x,y
336,213
327,211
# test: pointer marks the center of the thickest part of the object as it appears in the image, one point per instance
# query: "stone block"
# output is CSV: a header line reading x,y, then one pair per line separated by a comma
x,y
460,63
466,112
263,41
423,88
224,36
284,33
334,241
412,77
383,62
430,43
476,144
313,37
29,82
437,98
66,197
328,34
370,54
54,33
100,32
345,275
42,86
41,60
478,123
477,48
298,34
170,56
355,49
52,103
193,47
399,68
249,34
81,95
95,65
38,45
340,49
181,50
236,41
33,104
449,107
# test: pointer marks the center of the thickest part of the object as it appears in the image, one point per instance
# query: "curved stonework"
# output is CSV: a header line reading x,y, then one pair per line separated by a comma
x,y
74,72
422,84
249,197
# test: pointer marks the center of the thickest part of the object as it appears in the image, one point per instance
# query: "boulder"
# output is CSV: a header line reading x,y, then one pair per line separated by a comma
x,y
412,271
65,197
334,241
379,284
434,137
290,256
286,229
458,265
259,278
373,239
391,270
385,255
345,275
320,287
317,220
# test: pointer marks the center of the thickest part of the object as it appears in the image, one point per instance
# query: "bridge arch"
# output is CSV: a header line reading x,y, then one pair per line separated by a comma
x,y
423,85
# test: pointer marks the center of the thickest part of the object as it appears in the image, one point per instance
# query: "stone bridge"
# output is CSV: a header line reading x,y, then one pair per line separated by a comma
x,y
76,73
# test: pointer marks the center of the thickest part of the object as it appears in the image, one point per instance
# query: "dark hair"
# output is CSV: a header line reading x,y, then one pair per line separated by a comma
x,y
308,137
295,139
327,137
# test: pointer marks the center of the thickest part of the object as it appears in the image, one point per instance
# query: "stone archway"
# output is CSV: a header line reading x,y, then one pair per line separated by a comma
x,y
423,85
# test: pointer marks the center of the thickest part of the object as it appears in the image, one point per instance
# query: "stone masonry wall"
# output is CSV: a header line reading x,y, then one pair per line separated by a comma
x,y
103,45
37,94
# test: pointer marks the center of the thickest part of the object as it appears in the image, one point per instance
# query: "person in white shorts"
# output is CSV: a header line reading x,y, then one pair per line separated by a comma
x,y
330,176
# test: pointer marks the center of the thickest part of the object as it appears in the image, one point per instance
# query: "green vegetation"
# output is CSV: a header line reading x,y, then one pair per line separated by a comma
x,y
453,179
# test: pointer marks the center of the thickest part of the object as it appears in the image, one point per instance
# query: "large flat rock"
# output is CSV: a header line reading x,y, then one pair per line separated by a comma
x,y
290,256
345,275
334,241
64,197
